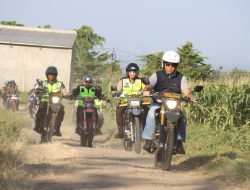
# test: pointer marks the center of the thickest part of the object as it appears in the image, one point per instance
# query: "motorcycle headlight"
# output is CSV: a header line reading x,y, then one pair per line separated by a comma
x,y
171,104
55,99
134,103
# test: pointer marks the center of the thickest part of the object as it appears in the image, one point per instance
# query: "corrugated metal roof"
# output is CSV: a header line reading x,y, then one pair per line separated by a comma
x,y
37,37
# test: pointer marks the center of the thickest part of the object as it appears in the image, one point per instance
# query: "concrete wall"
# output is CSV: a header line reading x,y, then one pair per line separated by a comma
x,y
25,63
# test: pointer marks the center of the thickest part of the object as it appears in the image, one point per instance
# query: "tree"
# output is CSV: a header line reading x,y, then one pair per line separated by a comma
x,y
238,74
192,63
87,59
152,63
11,23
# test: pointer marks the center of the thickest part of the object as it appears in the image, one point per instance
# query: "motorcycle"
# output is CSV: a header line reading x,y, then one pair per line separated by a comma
x,y
88,121
13,102
133,118
34,104
52,112
164,143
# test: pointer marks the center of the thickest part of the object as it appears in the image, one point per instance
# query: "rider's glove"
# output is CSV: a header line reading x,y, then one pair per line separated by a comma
x,y
192,98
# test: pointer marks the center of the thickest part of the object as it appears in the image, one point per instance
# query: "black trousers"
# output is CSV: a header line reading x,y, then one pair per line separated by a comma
x,y
79,113
41,113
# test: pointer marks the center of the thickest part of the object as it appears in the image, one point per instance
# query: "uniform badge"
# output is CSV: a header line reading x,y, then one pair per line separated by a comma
x,y
126,84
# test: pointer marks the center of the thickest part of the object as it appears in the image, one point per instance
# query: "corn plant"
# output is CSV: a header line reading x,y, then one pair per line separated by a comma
x,y
224,106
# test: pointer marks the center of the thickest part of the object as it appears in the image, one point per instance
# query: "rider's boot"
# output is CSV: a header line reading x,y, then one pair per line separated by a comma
x,y
78,129
58,132
120,133
147,145
37,129
180,148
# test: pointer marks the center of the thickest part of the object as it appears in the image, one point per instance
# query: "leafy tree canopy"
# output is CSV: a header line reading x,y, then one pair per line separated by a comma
x,y
192,63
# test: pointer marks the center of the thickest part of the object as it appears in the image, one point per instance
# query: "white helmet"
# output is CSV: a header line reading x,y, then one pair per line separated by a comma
x,y
171,57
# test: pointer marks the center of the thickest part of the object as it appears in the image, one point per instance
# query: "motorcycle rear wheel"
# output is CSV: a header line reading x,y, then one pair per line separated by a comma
x,y
13,106
158,157
127,144
83,138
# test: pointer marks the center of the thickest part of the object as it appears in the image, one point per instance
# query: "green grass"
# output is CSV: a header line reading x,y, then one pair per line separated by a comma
x,y
222,154
23,97
12,175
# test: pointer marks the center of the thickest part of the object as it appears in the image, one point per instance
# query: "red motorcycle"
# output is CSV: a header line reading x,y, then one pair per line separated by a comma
x,y
88,121
13,102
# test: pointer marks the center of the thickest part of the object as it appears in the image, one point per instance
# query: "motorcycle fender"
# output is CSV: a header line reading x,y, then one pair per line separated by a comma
x,y
172,116
55,107
136,112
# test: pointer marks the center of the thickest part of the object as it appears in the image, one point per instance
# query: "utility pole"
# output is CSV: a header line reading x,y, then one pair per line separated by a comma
x,y
113,57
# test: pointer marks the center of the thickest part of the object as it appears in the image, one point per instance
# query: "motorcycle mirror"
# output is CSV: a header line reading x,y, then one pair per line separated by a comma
x,y
39,81
113,88
36,86
198,88
145,80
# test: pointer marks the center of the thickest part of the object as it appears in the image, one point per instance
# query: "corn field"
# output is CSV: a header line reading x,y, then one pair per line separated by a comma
x,y
223,106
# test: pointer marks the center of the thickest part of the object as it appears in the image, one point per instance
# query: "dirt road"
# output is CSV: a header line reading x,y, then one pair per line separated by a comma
x,y
64,165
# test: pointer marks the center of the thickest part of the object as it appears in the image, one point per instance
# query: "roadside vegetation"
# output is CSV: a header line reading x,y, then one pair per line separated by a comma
x,y
219,136
12,175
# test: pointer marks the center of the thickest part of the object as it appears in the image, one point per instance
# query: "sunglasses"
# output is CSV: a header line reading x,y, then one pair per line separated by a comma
x,y
171,64
87,81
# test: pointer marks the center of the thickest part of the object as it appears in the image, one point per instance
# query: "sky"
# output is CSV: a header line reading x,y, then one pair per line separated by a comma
x,y
219,29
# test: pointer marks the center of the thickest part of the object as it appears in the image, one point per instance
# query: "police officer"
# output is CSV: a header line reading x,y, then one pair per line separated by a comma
x,y
131,84
87,89
50,84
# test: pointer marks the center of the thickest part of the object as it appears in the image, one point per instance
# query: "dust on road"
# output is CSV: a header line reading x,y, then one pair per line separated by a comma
x,y
64,165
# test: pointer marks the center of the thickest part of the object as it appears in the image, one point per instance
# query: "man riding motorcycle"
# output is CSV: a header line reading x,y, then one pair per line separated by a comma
x,y
85,90
50,84
9,90
167,78
131,84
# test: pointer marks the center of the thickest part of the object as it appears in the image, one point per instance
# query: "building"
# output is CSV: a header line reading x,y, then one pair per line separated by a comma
x,y
25,53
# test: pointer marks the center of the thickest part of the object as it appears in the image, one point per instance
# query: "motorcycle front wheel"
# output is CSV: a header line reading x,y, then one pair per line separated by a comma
x,y
168,153
90,132
137,135
45,136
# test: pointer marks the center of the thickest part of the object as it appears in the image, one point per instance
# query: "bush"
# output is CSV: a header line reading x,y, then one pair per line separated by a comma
x,y
23,97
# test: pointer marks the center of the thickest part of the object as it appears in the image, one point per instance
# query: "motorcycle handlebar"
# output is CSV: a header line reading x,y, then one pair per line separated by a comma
x,y
157,96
